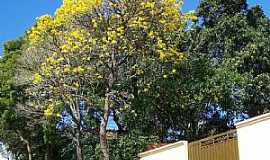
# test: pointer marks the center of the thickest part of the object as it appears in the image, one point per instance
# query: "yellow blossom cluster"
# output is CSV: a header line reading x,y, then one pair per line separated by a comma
x,y
78,39
71,8
162,20
138,22
37,78
44,24
114,34
171,18
49,111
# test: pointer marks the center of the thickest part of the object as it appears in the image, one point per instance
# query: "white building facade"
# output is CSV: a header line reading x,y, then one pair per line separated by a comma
x,y
254,138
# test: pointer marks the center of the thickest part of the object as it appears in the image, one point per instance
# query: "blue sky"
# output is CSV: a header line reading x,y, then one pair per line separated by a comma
x,y
18,15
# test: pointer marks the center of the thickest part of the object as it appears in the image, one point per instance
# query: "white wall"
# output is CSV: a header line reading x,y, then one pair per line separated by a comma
x,y
176,151
254,138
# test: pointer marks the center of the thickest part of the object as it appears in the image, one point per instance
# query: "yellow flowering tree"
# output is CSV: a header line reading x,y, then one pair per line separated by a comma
x,y
92,46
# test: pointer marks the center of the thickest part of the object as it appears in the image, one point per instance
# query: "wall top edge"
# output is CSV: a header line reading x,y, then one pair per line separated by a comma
x,y
163,148
253,120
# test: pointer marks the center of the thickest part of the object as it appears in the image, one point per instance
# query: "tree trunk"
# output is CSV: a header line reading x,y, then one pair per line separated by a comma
x,y
102,133
78,145
29,150
77,137
108,104
50,154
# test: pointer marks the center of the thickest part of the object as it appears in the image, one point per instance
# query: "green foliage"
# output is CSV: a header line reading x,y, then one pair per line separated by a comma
x,y
126,147
129,146
173,103
9,119
235,41
12,50
17,124
213,10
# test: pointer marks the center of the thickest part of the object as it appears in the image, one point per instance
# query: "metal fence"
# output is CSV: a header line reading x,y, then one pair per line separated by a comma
x,y
220,147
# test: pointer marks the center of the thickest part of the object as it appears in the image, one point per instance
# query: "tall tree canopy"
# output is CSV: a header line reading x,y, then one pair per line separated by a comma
x,y
234,39
224,78
88,50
